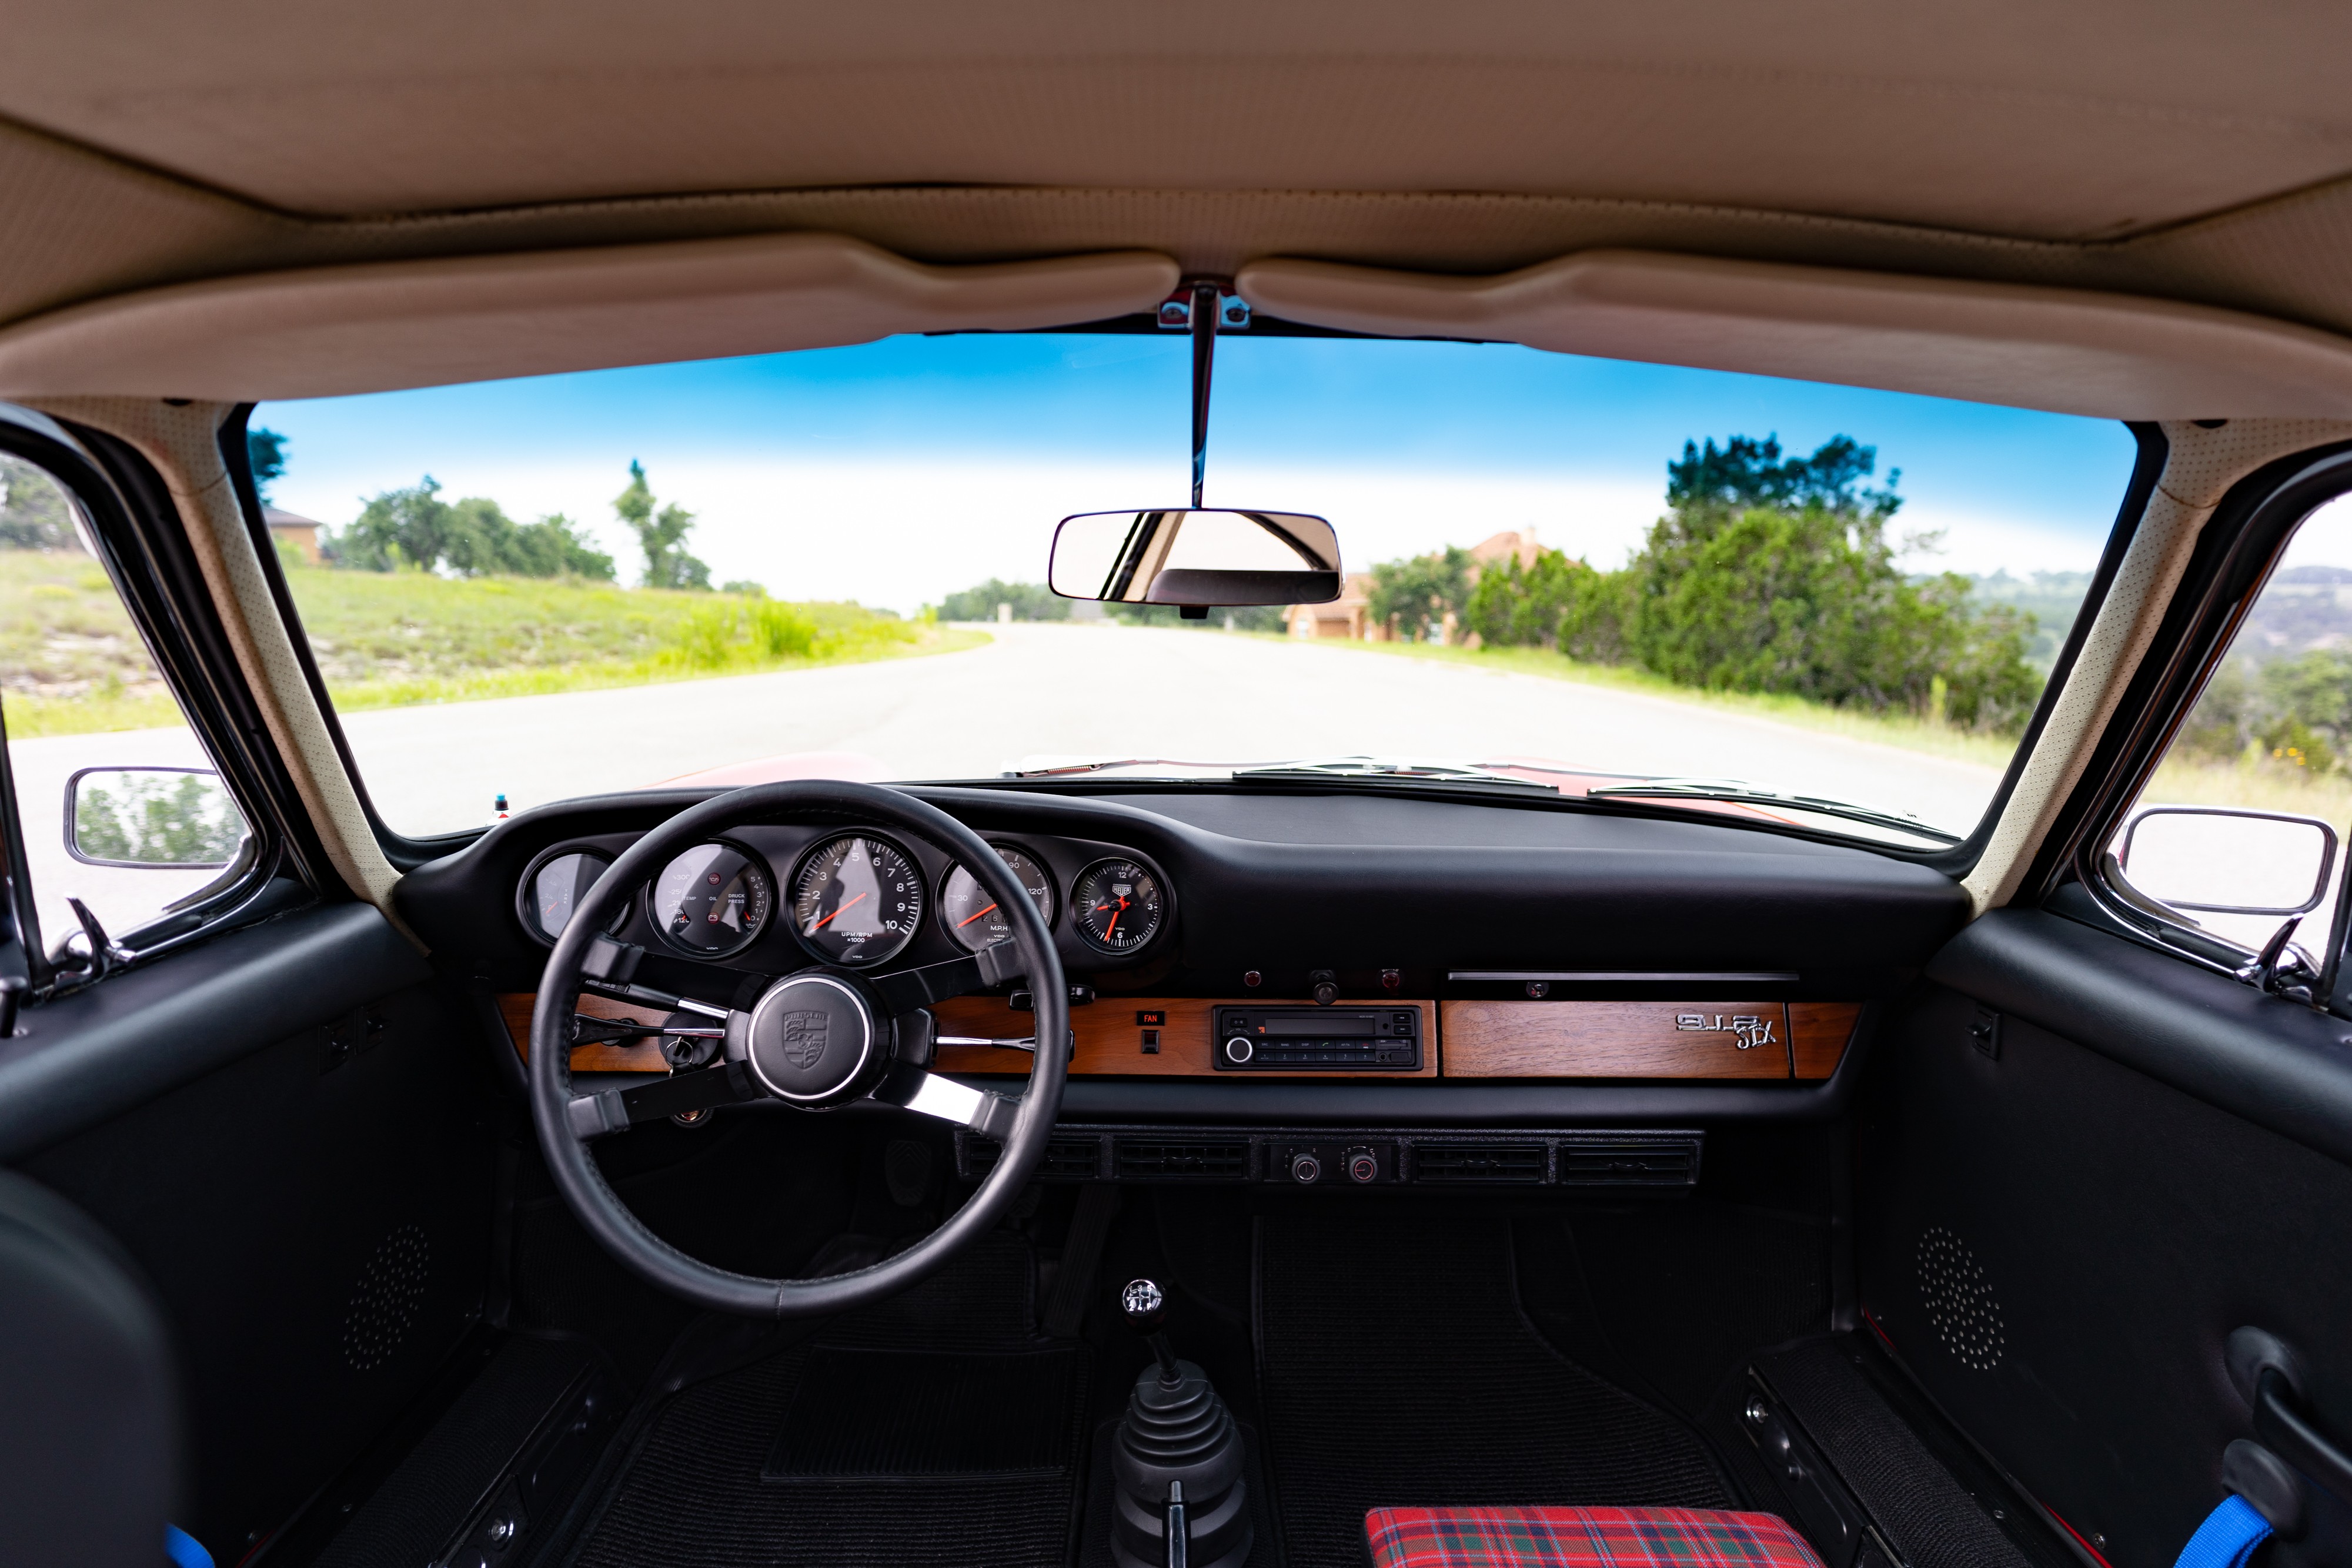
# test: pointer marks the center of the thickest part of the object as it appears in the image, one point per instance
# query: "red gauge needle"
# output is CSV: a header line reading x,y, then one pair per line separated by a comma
x,y
821,924
961,923
1111,929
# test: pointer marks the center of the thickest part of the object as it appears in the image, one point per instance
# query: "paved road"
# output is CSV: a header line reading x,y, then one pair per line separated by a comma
x,y
1047,692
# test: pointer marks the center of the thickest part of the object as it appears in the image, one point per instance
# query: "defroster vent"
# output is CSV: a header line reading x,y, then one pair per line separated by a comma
x,y
1066,1159
1665,1163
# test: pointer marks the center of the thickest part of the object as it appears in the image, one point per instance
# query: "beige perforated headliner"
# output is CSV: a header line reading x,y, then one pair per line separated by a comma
x,y
2194,154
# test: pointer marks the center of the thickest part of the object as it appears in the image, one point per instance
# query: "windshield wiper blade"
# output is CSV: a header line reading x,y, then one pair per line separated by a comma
x,y
1071,769
1756,794
1376,770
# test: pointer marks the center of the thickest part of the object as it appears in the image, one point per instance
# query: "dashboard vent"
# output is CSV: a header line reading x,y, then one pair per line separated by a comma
x,y
1195,1159
1066,1159
1517,1163
1664,1164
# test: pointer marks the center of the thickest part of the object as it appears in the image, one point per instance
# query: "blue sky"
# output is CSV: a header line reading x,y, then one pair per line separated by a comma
x,y
895,472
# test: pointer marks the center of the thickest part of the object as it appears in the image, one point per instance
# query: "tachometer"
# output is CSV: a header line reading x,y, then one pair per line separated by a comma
x,y
713,900
856,899
1116,905
969,911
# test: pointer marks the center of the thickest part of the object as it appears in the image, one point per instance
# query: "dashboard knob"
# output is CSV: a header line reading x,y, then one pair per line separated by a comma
x,y
1363,1165
1306,1167
1325,986
1239,1050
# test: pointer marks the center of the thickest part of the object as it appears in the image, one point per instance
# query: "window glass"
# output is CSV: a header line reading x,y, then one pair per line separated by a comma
x,y
2272,734
1567,571
85,708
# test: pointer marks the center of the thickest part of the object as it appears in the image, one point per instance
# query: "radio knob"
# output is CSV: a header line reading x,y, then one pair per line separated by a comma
x,y
1306,1167
1238,1049
1363,1165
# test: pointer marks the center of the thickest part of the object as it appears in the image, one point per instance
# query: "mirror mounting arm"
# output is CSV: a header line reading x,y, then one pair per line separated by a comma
x,y
1203,325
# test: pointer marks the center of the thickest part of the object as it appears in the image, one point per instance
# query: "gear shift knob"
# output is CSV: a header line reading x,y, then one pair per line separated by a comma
x,y
1145,1305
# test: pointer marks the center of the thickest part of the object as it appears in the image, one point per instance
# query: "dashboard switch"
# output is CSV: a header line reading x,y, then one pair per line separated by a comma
x,y
1363,1165
1305,1168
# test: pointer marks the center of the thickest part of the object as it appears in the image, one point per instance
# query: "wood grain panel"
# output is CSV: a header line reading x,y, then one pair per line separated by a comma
x,y
1110,1042
1819,1033
1613,1039
644,1056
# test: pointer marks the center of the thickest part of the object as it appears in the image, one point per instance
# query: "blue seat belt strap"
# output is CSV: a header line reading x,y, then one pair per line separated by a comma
x,y
182,1550
2227,1538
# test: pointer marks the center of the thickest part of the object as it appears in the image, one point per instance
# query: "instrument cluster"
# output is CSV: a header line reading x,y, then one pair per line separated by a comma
x,y
858,898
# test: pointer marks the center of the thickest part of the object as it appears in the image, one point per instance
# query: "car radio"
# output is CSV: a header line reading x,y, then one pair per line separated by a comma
x,y
1306,1040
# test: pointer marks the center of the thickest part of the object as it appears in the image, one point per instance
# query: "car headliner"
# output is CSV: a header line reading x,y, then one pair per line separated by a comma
x,y
2198,154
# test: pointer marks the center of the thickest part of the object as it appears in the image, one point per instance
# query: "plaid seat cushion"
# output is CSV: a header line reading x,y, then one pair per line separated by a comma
x,y
1581,1538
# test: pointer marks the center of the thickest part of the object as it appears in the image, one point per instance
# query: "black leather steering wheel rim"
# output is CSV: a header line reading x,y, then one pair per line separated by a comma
x,y
573,1165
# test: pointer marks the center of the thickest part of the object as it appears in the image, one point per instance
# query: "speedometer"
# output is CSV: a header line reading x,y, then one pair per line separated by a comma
x,y
856,899
713,900
971,913
1116,905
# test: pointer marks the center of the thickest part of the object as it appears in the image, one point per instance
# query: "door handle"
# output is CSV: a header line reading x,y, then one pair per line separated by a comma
x,y
2268,1376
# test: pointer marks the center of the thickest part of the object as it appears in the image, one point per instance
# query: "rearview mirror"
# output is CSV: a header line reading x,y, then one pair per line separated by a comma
x,y
1196,559
154,819
2218,861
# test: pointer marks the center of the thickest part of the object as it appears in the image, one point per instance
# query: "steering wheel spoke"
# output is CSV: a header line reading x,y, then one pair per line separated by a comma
x,y
930,1094
909,989
703,1089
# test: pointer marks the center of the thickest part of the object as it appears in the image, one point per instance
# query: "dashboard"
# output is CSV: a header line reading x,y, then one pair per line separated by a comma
x,y
1266,954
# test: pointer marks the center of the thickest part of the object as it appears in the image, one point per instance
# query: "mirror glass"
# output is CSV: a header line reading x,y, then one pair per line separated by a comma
x,y
2229,862
1196,558
151,817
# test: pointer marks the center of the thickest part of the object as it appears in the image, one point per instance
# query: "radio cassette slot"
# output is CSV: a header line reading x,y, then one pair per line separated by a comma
x,y
1383,1039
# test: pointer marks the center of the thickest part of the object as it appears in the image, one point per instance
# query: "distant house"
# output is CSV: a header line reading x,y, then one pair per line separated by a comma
x,y
1348,615
294,529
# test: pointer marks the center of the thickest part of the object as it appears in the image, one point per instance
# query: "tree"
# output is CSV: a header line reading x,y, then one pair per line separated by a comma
x,y
34,512
660,534
1030,602
1421,591
1713,483
264,453
472,538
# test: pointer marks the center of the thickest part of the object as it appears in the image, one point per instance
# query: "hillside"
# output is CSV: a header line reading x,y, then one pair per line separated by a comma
x,y
71,662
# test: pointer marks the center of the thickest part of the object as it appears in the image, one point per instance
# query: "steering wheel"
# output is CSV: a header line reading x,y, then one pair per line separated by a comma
x,y
820,1039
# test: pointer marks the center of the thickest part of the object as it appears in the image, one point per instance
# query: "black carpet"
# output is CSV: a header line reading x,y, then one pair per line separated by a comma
x,y
812,1456
1399,1371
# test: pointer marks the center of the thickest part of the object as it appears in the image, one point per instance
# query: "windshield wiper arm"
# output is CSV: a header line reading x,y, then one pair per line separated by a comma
x,y
1373,770
1756,794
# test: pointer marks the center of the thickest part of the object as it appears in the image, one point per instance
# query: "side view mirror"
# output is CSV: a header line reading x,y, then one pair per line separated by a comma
x,y
1196,559
153,819
2222,860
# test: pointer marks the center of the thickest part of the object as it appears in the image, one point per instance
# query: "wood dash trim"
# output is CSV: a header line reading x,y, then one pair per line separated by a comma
x,y
1613,1040
1819,1033
644,1056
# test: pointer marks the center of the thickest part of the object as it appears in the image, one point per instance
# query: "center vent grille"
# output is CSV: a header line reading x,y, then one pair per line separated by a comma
x,y
1664,1164
1196,1159
1520,1164
1066,1159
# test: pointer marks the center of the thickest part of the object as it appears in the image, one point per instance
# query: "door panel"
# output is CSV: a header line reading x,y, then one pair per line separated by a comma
x,y
2057,1240
313,1211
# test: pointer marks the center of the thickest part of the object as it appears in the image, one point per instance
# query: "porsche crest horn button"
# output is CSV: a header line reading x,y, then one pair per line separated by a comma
x,y
813,1037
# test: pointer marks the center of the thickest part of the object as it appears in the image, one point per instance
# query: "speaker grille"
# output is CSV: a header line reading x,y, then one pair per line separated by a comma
x,y
384,1305
1960,1302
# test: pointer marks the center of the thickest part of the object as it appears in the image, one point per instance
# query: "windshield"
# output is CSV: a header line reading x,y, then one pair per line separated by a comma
x,y
1569,573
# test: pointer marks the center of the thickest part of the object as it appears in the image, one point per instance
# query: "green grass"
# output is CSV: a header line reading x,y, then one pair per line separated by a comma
x,y
71,662
1903,730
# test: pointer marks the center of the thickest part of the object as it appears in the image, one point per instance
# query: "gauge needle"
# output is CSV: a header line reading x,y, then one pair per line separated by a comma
x,y
961,923
821,924
1111,929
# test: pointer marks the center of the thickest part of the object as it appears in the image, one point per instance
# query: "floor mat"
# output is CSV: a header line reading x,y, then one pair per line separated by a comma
x,y
1398,1371
791,1460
